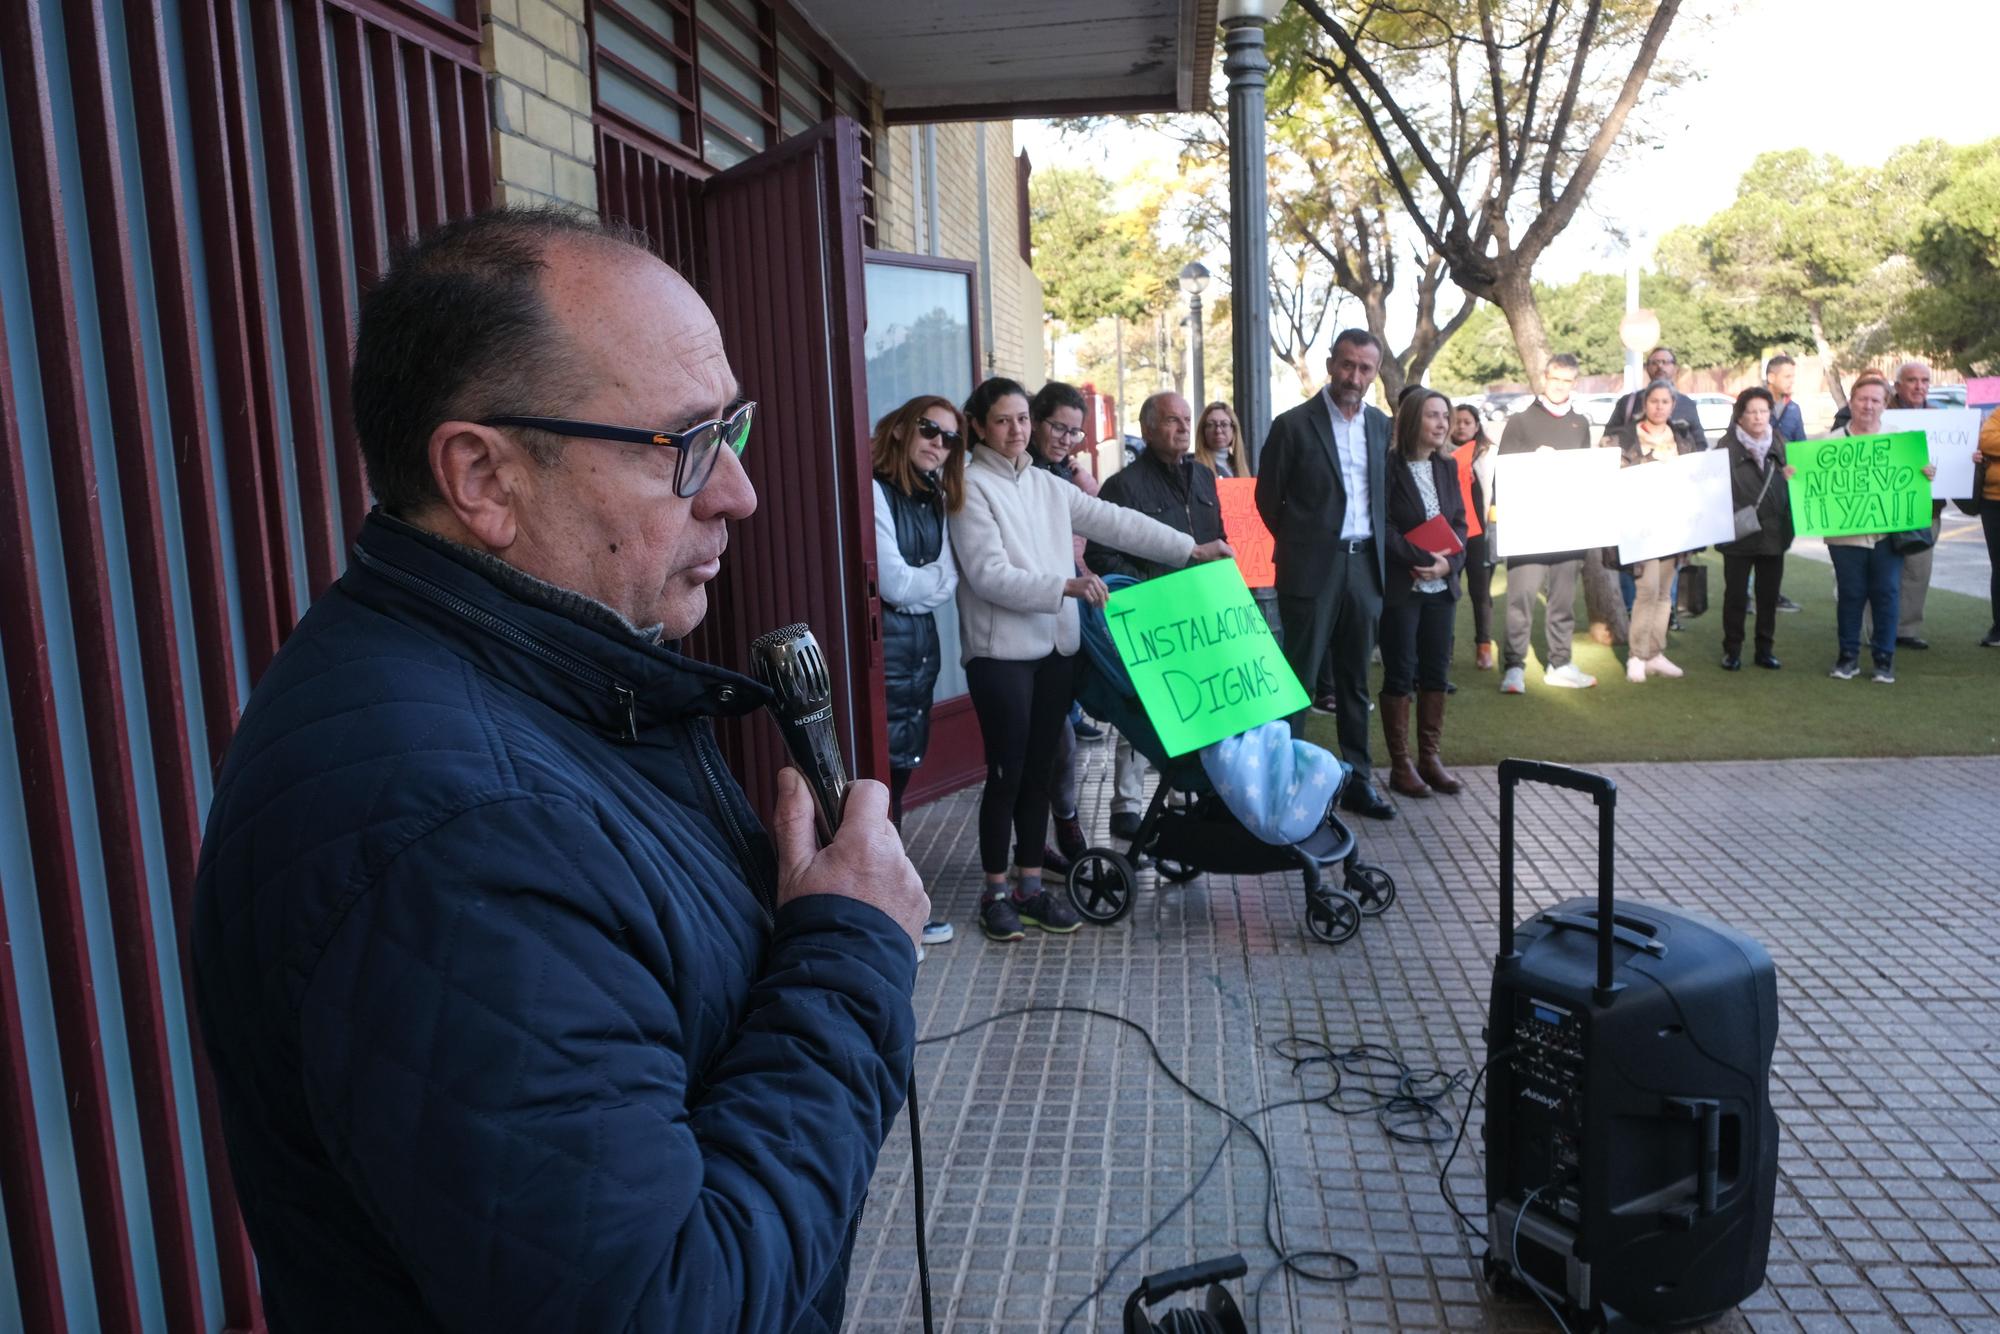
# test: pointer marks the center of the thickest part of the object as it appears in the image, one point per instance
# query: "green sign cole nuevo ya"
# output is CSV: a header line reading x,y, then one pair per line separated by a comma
x,y
1851,484
1201,656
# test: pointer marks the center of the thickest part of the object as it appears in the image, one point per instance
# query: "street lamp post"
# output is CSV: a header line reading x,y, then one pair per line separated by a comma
x,y
1243,23
1194,281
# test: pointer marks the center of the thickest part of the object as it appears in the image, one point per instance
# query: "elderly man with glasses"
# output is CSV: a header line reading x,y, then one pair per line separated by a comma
x,y
519,1019
1165,483
1661,364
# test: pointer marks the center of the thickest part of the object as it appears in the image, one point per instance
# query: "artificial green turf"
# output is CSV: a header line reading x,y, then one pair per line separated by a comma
x,y
1946,700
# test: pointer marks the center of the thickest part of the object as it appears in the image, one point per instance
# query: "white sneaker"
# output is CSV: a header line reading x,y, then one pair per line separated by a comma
x,y
937,932
1635,671
1568,677
1514,682
1659,666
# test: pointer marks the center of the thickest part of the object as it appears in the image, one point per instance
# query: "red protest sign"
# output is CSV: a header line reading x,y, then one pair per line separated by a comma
x,y
1245,529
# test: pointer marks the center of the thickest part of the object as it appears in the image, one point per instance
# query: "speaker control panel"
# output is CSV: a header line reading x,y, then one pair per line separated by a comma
x,y
1548,1083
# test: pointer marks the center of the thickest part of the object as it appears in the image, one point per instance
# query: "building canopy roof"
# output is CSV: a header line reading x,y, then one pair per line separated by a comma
x,y
938,60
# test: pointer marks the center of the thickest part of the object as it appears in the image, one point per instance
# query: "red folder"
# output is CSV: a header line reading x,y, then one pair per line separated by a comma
x,y
1435,536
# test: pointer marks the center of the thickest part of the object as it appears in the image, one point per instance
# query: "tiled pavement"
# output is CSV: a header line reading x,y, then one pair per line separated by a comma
x,y
1052,1144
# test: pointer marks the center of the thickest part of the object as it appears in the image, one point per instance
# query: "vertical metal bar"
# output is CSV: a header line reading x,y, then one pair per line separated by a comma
x,y
302,374
31,1234
30,677
421,111
450,99
1508,782
332,261
235,330
392,128
360,140
101,163
1607,803
201,543
180,356
479,157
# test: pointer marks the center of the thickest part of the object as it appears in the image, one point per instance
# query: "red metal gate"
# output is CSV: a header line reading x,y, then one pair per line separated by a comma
x,y
782,272
306,135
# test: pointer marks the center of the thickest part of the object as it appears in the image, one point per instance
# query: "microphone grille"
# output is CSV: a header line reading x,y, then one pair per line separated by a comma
x,y
789,663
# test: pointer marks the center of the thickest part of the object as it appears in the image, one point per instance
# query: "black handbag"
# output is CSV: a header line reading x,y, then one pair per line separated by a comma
x,y
1978,499
1693,599
1911,541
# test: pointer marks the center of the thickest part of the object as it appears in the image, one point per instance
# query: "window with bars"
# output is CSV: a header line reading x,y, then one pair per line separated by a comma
x,y
719,81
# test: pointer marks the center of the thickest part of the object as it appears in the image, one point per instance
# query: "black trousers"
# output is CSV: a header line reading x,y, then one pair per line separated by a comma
x,y
1335,628
1022,707
1479,587
1416,642
1736,572
899,779
1989,521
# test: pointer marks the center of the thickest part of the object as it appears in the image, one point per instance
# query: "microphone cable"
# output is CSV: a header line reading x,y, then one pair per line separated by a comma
x,y
917,1176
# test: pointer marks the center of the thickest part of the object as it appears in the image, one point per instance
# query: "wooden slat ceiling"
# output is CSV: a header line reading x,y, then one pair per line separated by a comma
x,y
938,60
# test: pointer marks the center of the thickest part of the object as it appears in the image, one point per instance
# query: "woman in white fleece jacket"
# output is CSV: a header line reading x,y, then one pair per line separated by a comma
x,y
1012,534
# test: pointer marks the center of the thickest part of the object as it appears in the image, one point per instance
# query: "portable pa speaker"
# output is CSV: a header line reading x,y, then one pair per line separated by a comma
x,y
1631,1149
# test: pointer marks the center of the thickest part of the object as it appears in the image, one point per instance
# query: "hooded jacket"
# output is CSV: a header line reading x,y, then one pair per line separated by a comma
x,y
507,1032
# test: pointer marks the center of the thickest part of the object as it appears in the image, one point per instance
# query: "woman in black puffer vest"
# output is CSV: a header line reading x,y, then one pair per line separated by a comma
x,y
919,459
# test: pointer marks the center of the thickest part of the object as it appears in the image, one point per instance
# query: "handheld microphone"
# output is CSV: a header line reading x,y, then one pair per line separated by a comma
x,y
788,662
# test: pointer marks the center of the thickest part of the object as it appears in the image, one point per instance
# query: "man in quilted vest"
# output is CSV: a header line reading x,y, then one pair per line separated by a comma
x,y
519,1018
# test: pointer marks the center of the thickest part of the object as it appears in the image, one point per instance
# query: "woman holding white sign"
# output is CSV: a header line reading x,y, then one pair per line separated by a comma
x,y
1758,473
1013,531
1426,551
1653,436
1867,568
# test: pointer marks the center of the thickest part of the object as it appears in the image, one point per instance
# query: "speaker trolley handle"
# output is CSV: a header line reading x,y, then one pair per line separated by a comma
x,y
1604,793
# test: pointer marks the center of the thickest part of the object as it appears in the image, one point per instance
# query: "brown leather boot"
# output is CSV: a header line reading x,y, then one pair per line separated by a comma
x,y
1403,779
1430,733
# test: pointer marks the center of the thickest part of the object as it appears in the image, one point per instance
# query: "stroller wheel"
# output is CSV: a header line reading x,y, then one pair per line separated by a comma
x,y
1175,873
1101,884
1373,887
1332,915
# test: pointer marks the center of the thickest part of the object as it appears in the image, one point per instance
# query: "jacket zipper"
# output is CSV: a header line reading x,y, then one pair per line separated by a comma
x,y
572,667
766,900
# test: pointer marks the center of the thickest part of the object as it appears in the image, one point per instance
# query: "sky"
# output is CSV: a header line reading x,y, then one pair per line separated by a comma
x,y
1853,77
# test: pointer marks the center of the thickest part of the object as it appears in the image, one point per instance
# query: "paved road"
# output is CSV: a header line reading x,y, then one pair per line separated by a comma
x,y
1959,565
1051,1143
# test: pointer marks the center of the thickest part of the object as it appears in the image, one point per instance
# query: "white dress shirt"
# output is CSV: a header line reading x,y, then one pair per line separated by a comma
x,y
1350,442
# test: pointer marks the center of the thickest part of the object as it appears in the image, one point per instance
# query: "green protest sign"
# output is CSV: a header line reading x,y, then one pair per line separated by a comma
x,y
1201,655
1851,484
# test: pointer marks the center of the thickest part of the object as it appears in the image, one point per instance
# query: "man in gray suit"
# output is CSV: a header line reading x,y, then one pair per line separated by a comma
x,y
1320,491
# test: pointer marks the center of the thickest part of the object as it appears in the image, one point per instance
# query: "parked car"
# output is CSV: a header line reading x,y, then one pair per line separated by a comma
x,y
1946,396
1597,407
1499,407
1714,410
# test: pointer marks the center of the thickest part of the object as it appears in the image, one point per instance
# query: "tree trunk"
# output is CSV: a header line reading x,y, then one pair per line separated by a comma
x,y
1515,296
1826,366
1602,599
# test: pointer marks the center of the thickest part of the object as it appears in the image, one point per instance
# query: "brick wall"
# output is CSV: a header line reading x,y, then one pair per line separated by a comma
x,y
1016,348
543,146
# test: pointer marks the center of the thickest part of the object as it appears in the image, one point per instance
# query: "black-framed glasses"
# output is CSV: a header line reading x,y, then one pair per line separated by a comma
x,y
930,430
700,445
1065,432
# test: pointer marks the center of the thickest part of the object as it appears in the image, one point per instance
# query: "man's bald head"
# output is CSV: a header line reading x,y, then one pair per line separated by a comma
x,y
465,326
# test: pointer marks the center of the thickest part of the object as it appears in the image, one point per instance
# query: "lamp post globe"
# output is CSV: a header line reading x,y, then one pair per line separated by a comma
x,y
1194,278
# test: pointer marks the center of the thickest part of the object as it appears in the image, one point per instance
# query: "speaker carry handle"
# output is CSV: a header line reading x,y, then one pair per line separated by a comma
x,y
1604,793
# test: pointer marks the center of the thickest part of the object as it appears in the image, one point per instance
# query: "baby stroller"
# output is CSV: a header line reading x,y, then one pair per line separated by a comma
x,y
1188,831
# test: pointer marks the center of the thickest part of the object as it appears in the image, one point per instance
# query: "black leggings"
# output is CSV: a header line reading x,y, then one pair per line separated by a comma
x,y
1479,586
899,779
1022,707
1989,519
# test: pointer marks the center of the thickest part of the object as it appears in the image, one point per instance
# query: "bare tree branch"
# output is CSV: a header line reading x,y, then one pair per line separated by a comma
x,y
1584,40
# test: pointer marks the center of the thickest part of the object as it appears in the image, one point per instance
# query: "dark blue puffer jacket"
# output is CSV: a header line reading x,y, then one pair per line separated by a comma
x,y
505,1032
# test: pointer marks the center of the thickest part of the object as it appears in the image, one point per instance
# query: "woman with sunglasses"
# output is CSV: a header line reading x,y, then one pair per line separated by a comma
x,y
919,472
1013,533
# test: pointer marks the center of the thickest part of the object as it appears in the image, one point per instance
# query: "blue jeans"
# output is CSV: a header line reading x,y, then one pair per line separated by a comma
x,y
1869,577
